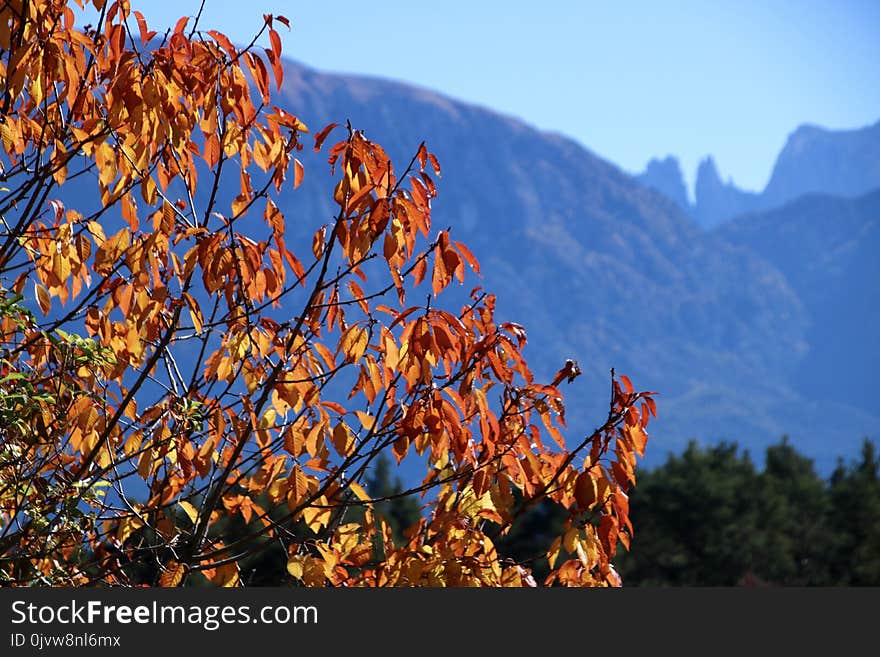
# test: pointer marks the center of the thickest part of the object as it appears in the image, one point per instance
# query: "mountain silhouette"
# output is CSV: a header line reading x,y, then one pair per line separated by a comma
x,y
814,160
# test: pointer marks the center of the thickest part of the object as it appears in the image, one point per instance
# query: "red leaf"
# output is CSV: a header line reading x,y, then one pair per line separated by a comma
x,y
181,24
402,316
260,74
569,371
276,42
321,136
142,26
469,257
277,69
224,42
608,534
434,163
333,406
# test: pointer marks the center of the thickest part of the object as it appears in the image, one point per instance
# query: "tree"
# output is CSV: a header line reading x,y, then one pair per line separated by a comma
x,y
793,540
400,510
855,519
174,364
697,516
708,517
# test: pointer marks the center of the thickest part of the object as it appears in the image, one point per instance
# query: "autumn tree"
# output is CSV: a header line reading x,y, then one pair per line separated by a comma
x,y
174,362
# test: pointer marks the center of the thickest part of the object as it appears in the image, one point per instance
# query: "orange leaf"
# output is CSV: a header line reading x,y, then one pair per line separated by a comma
x,y
297,173
585,490
258,72
212,150
181,24
322,135
342,439
195,312
439,278
173,574
224,42
469,257
146,34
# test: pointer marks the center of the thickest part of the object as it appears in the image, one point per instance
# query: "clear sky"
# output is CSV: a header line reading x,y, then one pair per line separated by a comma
x,y
630,80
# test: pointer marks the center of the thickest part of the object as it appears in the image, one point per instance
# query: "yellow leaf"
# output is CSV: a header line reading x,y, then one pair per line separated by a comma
x,y
127,526
97,231
173,574
553,552
342,439
195,312
359,491
366,420
295,567
354,343
7,136
226,575
317,518
43,298
268,419
190,510
307,569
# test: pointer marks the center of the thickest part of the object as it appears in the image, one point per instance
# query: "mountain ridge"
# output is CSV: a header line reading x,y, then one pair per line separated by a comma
x,y
814,159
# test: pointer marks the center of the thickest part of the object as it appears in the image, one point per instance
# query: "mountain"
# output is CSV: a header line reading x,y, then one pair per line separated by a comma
x,y
814,160
836,162
826,247
665,176
603,269
717,201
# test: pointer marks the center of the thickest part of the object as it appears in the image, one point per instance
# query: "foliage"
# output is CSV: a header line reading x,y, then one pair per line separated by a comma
x,y
184,388
854,521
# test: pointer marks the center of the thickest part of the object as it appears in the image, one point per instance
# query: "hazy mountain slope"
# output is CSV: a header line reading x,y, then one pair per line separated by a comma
x,y
597,266
827,249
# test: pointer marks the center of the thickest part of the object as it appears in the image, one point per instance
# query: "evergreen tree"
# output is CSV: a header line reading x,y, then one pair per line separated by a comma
x,y
855,520
400,511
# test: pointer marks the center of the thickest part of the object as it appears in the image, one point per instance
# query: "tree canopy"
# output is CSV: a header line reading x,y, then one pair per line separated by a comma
x,y
173,362
710,517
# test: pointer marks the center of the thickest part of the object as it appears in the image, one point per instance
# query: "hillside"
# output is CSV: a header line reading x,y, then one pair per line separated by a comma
x,y
826,247
604,270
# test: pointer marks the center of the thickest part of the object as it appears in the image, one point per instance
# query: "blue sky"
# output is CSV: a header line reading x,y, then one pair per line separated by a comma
x,y
629,80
